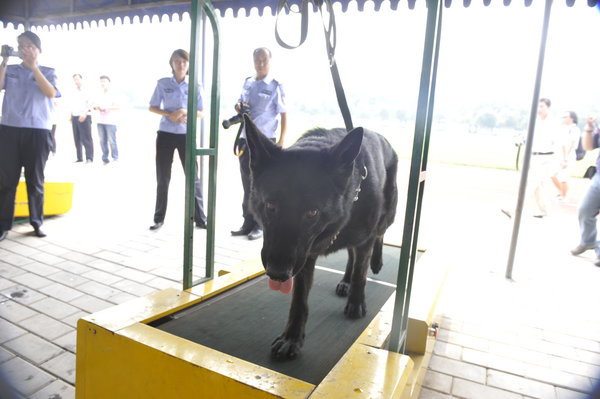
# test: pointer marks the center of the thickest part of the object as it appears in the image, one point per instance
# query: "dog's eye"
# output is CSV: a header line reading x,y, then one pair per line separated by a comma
x,y
312,213
270,207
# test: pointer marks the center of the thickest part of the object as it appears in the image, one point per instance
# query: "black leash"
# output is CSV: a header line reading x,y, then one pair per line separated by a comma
x,y
330,42
236,148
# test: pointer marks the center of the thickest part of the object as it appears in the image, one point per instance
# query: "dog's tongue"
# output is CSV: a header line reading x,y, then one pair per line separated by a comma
x,y
285,287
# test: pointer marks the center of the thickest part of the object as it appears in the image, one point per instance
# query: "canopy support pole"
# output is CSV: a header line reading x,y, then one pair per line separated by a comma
x,y
416,185
529,143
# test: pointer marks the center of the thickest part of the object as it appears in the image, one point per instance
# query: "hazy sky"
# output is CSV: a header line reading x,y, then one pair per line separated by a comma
x,y
489,54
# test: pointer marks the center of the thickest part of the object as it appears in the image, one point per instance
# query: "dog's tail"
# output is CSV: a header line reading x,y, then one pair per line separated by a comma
x,y
377,256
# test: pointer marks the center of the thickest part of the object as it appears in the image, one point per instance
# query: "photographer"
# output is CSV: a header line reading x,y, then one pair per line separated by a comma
x,y
263,99
25,138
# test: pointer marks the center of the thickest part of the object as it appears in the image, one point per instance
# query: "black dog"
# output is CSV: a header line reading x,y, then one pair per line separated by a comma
x,y
330,190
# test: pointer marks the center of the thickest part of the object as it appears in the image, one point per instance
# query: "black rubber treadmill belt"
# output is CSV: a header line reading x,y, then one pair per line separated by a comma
x,y
388,273
244,321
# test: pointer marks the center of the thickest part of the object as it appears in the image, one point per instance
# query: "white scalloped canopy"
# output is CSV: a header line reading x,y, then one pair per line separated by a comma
x,y
60,12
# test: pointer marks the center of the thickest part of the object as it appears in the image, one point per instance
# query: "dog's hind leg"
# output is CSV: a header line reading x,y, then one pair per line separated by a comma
x,y
288,344
344,285
356,306
377,257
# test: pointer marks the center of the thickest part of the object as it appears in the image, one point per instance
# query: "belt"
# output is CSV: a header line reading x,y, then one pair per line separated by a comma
x,y
542,153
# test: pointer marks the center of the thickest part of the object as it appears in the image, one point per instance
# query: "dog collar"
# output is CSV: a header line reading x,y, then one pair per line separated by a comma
x,y
362,178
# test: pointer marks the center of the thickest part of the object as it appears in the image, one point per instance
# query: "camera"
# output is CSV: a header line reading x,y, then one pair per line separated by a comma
x,y
8,51
244,108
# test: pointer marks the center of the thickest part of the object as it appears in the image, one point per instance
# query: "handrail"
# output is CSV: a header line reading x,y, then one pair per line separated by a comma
x,y
192,152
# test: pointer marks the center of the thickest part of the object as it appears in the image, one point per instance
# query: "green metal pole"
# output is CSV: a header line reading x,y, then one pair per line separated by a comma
x,y
192,152
215,105
529,142
427,139
190,158
416,181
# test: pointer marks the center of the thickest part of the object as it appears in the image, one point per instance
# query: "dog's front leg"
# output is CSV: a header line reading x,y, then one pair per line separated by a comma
x,y
344,286
288,344
356,306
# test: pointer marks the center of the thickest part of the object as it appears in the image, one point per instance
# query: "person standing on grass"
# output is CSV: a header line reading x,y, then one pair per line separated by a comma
x,y
542,157
542,160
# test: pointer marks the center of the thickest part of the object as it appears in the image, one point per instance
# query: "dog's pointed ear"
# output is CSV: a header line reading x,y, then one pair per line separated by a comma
x,y
261,148
345,152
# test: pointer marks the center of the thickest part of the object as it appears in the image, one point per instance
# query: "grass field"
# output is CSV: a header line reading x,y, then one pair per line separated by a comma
x,y
450,145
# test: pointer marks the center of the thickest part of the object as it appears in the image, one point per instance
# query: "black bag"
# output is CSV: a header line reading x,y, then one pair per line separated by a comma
x,y
590,172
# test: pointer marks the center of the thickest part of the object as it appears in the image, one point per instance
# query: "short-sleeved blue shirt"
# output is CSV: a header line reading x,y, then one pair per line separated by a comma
x,y
266,98
24,103
170,96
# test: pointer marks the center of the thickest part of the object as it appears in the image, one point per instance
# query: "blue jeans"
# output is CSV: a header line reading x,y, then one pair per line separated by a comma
x,y
588,212
108,137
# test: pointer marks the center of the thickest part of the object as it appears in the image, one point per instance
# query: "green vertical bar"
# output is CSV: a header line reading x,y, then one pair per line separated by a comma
x,y
192,152
215,105
427,139
190,157
414,195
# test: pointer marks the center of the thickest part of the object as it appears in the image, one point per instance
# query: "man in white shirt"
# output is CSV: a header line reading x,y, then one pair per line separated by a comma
x,y
542,158
81,120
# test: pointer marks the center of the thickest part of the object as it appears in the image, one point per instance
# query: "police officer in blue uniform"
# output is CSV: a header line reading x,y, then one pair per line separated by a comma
x,y
25,138
170,99
265,99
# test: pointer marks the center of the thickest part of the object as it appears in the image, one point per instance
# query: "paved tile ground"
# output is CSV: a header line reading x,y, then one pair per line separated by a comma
x,y
536,336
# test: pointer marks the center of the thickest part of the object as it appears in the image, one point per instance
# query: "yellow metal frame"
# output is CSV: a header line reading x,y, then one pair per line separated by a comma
x,y
120,356
58,199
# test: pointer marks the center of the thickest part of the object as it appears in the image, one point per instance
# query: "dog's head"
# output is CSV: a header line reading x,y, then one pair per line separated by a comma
x,y
302,197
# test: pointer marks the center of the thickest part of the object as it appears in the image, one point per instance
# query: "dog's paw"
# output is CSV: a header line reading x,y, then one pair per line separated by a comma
x,y
376,267
355,311
285,348
342,288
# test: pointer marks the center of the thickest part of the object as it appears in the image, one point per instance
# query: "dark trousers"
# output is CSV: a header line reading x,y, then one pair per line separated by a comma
x,y
53,139
22,148
82,135
166,144
244,158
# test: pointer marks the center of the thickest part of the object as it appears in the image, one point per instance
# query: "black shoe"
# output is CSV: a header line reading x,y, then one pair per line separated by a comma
x,y
156,226
255,234
3,235
243,231
201,225
38,232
